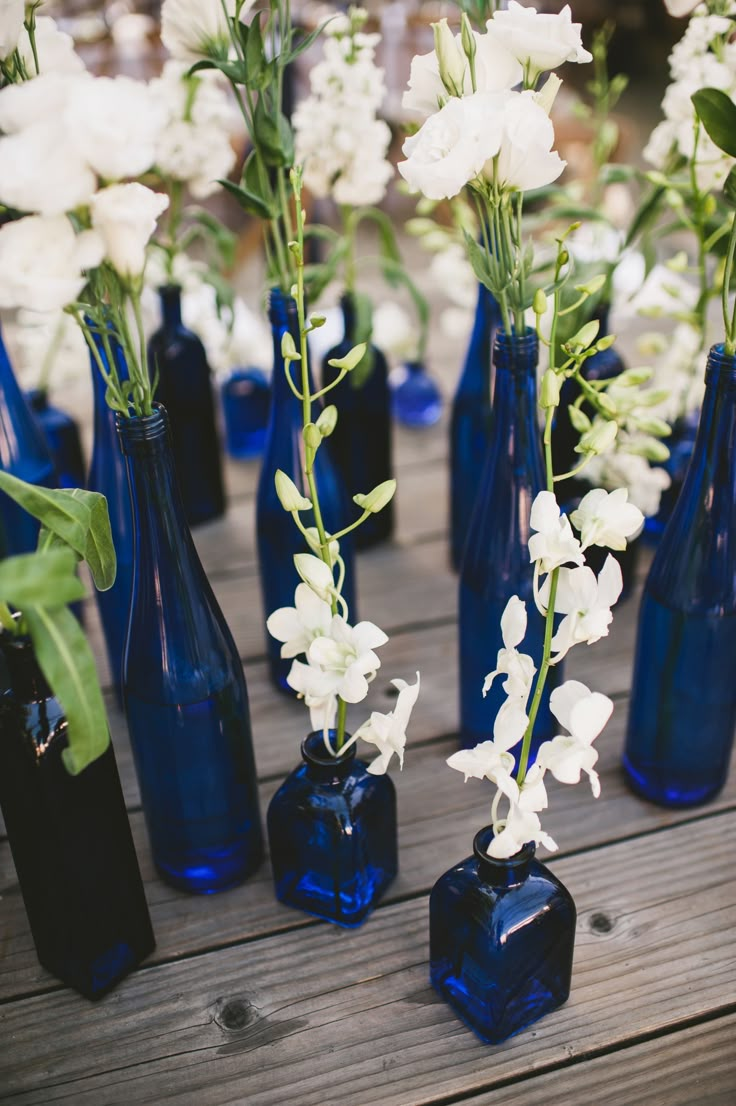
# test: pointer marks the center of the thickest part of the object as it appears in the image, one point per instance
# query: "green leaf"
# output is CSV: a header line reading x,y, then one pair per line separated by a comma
x,y
67,663
234,70
729,188
255,55
647,213
478,261
273,136
45,579
249,201
306,42
717,113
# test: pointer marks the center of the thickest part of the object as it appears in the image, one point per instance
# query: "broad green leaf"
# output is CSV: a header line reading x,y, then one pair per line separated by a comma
x,y
248,200
99,551
717,113
273,136
45,579
255,57
729,188
234,70
67,663
306,42
479,261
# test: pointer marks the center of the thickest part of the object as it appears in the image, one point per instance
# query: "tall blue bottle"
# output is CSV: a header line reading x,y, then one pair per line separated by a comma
x,y
23,453
683,700
361,441
183,687
496,561
62,438
278,537
108,475
470,422
185,389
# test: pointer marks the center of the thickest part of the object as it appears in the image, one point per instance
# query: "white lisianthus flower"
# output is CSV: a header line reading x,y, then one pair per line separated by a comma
x,y
298,626
37,101
347,657
487,762
115,125
12,14
607,518
196,29
125,215
538,42
55,49
495,71
554,544
313,686
585,600
452,147
43,262
518,668
525,158
583,713
388,731
42,172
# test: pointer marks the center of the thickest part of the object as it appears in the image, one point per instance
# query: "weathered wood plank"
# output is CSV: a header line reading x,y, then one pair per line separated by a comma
x,y
321,1017
696,1065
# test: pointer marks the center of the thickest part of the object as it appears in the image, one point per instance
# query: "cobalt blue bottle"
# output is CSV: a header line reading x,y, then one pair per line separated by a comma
x,y
185,389
361,441
332,835
683,699
23,453
501,938
246,401
183,687
108,475
62,438
470,422
496,562
70,839
277,535
680,444
416,400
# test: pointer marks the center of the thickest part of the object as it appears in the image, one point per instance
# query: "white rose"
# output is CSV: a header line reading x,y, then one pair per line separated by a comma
x,y
538,42
55,49
42,172
496,70
196,29
42,262
12,14
125,215
115,125
452,146
526,159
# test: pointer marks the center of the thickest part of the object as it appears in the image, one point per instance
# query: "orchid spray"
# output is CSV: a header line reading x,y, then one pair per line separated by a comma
x,y
339,659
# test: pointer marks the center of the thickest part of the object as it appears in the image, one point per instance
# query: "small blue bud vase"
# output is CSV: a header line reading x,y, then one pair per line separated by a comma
x,y
501,938
332,835
62,438
416,401
682,714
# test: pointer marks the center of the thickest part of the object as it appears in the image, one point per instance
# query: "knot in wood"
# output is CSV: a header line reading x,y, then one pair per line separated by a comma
x,y
234,1014
601,923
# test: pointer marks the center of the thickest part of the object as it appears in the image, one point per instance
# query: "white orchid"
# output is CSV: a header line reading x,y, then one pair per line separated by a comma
x,y
298,626
519,828
583,713
554,544
313,686
346,656
585,600
318,575
388,731
487,762
607,518
518,667
538,42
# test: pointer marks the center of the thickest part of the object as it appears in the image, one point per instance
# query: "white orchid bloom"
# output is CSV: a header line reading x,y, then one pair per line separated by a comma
x,y
316,574
583,713
298,626
510,724
554,544
315,688
607,518
518,667
487,762
388,731
346,657
519,829
586,601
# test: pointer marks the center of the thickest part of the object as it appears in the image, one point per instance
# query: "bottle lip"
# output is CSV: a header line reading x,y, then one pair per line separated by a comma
x,y
508,865
317,758
720,364
280,302
136,431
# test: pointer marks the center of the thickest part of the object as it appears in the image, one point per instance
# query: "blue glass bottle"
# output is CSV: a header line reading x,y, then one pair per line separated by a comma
x,y
416,401
23,453
185,389
183,687
680,445
470,422
246,401
361,441
332,835
501,938
108,475
683,699
62,438
277,536
70,839
496,562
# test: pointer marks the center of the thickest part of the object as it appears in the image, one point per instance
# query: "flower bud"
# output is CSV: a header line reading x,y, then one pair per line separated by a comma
x,y
650,448
467,39
548,93
587,334
658,428
592,286
631,378
606,404
352,358
678,263
316,321
288,349
550,393
539,303
316,574
290,498
451,61
327,420
605,343
377,499
579,420
599,438
312,437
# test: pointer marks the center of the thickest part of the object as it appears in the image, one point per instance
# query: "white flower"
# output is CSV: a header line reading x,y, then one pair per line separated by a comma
x,y
538,42
495,71
298,626
452,147
388,731
620,469
315,688
393,330
679,8
510,723
36,101
115,125
518,668
586,603
554,544
525,159
318,575
42,262
607,518
584,714
55,49
12,14
487,761
346,657
42,172
195,29
519,829
125,215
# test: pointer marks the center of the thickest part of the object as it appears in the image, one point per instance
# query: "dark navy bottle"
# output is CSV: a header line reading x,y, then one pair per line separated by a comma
x,y
680,444
183,687
278,537
184,387
501,938
470,422
332,835
23,453
246,401
62,438
683,700
70,839
416,400
496,562
108,475
361,441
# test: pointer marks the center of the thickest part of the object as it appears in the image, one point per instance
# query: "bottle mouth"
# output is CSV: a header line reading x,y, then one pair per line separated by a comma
x,y
320,761
516,349
136,431
720,365
508,867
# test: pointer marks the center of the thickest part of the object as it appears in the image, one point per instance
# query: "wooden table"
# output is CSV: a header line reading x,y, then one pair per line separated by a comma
x,y
245,1001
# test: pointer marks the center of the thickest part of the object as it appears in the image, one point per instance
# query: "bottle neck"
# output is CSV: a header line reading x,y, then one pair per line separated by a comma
x,y
501,873
27,682
515,393
714,453
170,298
322,767
347,303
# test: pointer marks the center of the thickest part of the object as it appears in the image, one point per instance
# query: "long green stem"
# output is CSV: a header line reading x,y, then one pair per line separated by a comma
x,y
729,318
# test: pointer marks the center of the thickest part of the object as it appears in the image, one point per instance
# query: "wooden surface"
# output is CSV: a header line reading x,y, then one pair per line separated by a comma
x,y
247,1002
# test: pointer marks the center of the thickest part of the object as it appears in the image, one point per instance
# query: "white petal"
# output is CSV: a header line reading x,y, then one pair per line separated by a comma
x,y
545,512
610,582
366,635
513,622
589,715
510,725
354,686
563,699
284,624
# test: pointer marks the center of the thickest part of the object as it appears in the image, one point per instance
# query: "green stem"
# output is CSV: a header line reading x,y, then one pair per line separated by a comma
x,y
541,678
729,319
342,710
